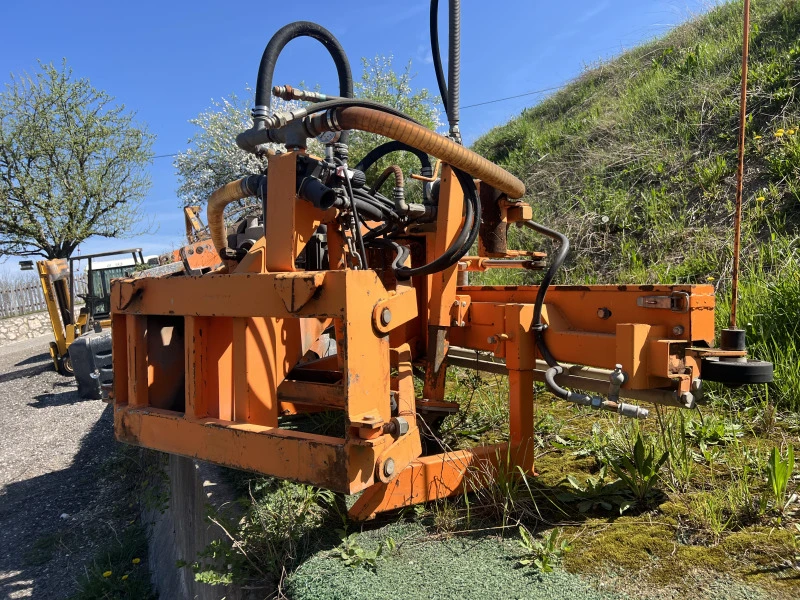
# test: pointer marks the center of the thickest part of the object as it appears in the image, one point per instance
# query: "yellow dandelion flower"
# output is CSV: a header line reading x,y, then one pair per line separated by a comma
x,y
124,577
781,130
760,199
791,132
709,278
779,133
758,137
136,561
107,574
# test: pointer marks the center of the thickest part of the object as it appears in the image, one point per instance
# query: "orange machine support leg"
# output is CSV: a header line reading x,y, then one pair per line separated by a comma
x,y
452,473
443,285
521,360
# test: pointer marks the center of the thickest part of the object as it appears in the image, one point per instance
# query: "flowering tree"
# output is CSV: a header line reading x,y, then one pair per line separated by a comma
x,y
380,82
214,159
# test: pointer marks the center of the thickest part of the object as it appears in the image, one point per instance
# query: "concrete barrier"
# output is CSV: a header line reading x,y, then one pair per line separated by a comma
x,y
182,531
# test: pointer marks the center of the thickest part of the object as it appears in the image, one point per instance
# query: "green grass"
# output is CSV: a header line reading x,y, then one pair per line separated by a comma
x,y
119,571
635,162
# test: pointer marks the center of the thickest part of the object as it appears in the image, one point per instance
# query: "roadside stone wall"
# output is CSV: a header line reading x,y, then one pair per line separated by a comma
x,y
13,329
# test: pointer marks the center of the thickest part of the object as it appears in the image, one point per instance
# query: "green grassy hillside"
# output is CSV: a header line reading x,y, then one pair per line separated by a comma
x,y
636,161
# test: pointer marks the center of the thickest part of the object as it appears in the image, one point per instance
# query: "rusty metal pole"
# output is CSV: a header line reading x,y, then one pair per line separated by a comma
x,y
737,223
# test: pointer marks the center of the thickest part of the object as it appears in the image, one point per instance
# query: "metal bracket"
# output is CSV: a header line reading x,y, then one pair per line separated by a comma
x,y
458,312
676,302
186,266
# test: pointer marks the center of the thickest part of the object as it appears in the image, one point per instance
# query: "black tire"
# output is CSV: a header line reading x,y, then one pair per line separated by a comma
x,y
65,366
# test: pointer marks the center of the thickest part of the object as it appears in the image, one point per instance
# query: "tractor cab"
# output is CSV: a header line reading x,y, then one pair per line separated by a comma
x,y
58,280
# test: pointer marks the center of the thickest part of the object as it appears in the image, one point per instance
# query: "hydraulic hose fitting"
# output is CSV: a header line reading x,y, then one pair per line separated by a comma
x,y
400,204
617,378
632,411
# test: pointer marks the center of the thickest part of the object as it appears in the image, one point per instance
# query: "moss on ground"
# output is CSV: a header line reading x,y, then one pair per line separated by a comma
x,y
458,567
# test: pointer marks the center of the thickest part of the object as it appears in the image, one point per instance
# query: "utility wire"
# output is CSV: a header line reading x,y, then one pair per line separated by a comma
x,y
531,93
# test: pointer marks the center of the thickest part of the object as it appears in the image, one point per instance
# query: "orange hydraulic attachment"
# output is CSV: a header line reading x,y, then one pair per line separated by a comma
x,y
215,366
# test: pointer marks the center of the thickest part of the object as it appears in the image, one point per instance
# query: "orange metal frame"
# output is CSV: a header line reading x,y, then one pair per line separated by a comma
x,y
206,366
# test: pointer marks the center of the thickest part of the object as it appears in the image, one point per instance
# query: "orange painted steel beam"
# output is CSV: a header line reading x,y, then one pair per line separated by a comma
x,y
308,458
439,476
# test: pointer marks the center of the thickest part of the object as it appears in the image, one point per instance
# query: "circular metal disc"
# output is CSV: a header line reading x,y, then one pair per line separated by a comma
x,y
736,373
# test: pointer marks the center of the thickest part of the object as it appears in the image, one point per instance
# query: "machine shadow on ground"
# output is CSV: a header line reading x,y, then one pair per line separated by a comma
x,y
37,540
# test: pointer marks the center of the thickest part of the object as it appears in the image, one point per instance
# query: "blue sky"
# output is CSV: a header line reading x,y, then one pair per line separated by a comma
x,y
168,60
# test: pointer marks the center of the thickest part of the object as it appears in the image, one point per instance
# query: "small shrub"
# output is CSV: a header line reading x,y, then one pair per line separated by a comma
x,y
542,554
640,472
596,494
354,555
779,473
712,430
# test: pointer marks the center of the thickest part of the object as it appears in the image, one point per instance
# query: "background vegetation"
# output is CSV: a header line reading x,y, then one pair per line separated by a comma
x,y
72,165
636,163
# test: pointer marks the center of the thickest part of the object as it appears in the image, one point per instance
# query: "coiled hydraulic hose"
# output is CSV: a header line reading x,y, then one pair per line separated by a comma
x,y
454,68
430,142
466,237
400,204
387,172
230,192
378,153
283,36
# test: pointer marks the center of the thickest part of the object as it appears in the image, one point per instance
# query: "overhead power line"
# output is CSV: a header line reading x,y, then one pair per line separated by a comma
x,y
531,93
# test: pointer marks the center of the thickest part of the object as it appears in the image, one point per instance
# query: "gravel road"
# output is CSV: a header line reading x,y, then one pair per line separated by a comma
x,y
53,446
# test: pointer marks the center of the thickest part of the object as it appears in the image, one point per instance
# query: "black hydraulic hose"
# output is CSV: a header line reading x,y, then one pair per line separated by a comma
x,y
386,208
465,239
387,148
555,265
454,66
356,220
345,102
436,53
283,36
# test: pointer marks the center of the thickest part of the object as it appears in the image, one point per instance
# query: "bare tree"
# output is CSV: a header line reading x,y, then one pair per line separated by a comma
x,y
72,165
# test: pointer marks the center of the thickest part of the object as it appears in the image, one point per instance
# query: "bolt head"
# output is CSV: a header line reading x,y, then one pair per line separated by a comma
x,y
388,467
603,313
386,316
677,330
401,425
